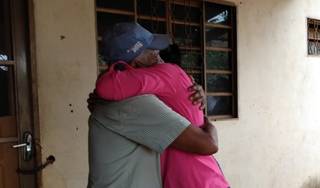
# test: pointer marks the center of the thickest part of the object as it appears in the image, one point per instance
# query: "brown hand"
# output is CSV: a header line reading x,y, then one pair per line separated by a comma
x,y
197,95
91,101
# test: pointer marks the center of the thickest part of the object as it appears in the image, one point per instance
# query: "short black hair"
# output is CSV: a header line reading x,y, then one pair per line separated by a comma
x,y
172,54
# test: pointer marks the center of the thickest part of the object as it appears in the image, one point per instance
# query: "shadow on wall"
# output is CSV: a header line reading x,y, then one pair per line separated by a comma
x,y
312,182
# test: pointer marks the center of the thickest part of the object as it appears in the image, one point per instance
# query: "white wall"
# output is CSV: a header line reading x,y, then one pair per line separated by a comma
x,y
273,144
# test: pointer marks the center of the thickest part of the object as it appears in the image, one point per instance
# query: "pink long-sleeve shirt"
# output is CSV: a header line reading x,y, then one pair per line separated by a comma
x,y
170,84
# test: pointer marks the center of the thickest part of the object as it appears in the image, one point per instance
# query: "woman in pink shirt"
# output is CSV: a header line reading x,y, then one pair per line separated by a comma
x,y
170,84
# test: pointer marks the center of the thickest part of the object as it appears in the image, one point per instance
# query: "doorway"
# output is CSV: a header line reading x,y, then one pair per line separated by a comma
x,y
17,148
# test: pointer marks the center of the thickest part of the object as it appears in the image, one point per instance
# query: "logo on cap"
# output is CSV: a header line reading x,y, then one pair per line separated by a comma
x,y
135,47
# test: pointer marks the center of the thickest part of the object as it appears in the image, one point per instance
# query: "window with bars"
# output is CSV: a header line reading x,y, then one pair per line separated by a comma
x,y
313,37
7,63
205,32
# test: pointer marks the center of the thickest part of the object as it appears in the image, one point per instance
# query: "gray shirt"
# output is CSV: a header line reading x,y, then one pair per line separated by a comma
x,y
126,139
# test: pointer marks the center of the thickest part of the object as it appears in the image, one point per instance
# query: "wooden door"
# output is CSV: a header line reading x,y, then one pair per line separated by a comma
x,y
15,96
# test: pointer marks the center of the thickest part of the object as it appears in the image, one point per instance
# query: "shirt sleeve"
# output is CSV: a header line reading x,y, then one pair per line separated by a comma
x,y
145,120
119,85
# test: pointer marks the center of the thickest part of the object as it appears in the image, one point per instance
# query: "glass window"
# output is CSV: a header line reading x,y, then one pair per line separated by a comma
x,y
218,14
313,37
105,20
155,8
216,37
5,31
6,91
211,38
101,59
186,13
153,26
219,83
191,60
187,35
219,105
314,48
218,60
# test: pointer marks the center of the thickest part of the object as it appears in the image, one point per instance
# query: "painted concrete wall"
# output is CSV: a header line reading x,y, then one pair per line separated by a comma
x,y
273,144
66,56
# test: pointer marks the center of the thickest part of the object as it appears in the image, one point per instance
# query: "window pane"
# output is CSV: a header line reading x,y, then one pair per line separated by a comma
x,y
218,60
101,60
186,35
219,105
186,13
5,31
154,8
313,48
218,14
6,91
191,60
105,20
313,36
127,5
218,37
198,78
153,26
219,83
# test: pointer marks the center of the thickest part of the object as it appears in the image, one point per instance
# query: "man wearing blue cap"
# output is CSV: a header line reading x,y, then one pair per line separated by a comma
x,y
126,137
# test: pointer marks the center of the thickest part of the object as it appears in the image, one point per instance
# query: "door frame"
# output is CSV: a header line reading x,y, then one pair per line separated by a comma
x,y
34,89
26,90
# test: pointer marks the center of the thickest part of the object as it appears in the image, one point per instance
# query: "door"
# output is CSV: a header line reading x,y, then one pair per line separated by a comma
x,y
16,123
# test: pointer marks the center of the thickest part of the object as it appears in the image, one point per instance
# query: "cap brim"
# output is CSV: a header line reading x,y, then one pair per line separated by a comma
x,y
160,42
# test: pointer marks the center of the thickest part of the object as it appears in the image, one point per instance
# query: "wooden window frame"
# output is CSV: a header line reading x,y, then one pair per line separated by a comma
x,y
202,49
313,35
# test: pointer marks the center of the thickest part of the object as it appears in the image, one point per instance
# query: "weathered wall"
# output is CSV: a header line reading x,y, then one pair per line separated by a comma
x,y
66,60
273,144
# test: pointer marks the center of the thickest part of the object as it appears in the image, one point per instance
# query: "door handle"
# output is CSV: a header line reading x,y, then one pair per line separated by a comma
x,y
27,146
19,145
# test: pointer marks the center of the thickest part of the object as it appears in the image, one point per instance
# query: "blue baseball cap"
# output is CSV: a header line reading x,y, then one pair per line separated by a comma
x,y
125,41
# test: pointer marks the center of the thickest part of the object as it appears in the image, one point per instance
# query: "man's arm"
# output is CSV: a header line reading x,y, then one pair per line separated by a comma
x,y
148,121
